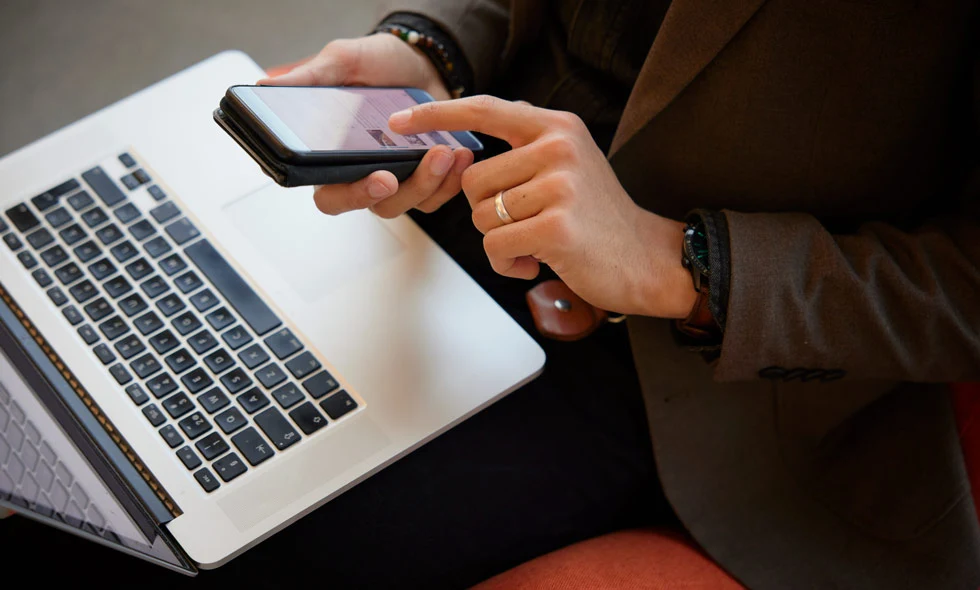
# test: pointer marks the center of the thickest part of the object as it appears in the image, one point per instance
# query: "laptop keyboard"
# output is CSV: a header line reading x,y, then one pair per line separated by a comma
x,y
207,361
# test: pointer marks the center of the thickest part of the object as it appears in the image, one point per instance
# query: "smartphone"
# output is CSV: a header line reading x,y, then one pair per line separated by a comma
x,y
318,135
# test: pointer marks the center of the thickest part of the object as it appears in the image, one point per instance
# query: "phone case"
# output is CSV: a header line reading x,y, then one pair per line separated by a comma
x,y
290,175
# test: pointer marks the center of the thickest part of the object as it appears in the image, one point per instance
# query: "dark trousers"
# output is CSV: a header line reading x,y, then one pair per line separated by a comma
x,y
565,458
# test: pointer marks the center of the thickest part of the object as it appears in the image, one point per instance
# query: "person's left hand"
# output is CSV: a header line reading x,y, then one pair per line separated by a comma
x,y
569,209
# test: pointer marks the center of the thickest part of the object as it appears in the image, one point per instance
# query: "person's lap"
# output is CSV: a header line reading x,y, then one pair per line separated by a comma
x,y
562,459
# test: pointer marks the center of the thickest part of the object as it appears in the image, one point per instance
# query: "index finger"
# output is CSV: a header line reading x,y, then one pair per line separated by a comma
x,y
516,123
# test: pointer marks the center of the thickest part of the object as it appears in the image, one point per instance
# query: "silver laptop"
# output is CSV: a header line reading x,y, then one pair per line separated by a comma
x,y
192,357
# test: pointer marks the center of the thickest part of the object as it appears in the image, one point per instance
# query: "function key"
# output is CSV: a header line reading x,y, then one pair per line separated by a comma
x,y
83,291
154,415
236,380
103,186
212,446
126,213
73,233
252,445
213,400
308,418
207,479
157,193
202,342
145,366
288,395
303,365
165,212
186,323
68,273
127,160
88,334
42,277
271,375
157,247
136,393
98,309
109,234
188,281
113,328
132,304
139,269
182,231
320,384
164,342
80,200
170,434
170,304
253,356
283,343
188,458
219,361
203,300
253,400
338,404
58,217
12,241
39,238
101,268
72,314
177,405
22,217
27,259
142,230
54,256
148,323
117,286
230,420
229,467
120,374
161,385
124,251
105,355
194,425
94,217
220,318
154,286
275,426
57,296
87,251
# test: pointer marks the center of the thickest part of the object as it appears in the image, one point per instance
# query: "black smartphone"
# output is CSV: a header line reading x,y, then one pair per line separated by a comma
x,y
322,135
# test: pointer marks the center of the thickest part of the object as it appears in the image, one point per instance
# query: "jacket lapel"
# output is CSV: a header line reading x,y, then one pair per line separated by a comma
x,y
692,34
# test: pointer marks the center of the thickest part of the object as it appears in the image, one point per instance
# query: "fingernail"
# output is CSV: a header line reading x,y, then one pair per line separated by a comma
x,y
378,190
400,118
441,163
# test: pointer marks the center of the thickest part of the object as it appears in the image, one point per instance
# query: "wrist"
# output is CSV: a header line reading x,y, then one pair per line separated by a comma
x,y
666,290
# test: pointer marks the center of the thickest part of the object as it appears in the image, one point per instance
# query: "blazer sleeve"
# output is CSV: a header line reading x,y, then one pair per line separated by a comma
x,y
882,302
480,28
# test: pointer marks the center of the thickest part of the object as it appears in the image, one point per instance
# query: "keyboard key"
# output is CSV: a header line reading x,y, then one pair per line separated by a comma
x,y
203,300
13,242
141,175
123,251
27,259
42,277
230,420
180,361
236,337
54,256
157,193
213,400
72,314
182,231
3,225
194,425
253,356
163,342
120,374
230,284
40,238
196,380
320,384
170,304
253,400
308,418
148,323
283,343
188,458
44,201
236,380
338,404
59,217
109,234
130,181
80,200
117,286
57,296
161,385
212,446
220,318
288,395
165,212
87,251
253,446
127,160
113,328
275,426
88,334
186,323
145,366
177,405
172,264
154,286
207,479
83,291
303,365
73,233
154,415
229,467
202,342
170,434
132,304
22,217
271,375
68,273
95,217
126,213
141,230
157,247
188,281
101,268
139,269
219,361
129,346
105,355
103,186
98,309
50,197
136,393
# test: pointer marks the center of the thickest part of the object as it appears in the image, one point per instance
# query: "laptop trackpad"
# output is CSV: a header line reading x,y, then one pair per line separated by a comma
x,y
313,252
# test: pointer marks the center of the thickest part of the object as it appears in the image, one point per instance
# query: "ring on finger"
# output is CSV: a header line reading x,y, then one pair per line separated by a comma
x,y
498,205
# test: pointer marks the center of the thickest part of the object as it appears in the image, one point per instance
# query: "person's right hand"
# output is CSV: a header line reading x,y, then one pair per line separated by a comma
x,y
383,60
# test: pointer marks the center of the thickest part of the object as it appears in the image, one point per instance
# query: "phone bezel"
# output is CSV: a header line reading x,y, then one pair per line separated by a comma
x,y
246,110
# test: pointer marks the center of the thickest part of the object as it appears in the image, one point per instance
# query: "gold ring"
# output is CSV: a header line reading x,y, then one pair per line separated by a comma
x,y
498,204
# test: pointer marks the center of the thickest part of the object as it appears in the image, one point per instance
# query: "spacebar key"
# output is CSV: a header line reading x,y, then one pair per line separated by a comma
x,y
227,280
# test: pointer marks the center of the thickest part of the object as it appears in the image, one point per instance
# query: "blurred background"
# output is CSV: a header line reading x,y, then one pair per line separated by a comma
x,y
63,59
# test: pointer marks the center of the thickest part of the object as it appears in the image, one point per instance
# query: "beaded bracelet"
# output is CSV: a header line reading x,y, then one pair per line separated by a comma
x,y
434,50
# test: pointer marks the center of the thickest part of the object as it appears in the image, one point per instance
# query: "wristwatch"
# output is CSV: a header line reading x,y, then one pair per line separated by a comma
x,y
700,324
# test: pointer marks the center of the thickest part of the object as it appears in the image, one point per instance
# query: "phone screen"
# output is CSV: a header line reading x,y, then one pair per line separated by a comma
x,y
337,119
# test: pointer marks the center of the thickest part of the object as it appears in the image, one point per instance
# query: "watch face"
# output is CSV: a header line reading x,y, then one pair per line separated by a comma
x,y
696,246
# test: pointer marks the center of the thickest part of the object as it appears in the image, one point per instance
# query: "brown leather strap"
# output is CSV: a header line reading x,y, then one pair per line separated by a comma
x,y
700,324
561,314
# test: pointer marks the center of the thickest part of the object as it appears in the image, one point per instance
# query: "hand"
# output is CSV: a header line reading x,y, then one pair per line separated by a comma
x,y
569,209
383,60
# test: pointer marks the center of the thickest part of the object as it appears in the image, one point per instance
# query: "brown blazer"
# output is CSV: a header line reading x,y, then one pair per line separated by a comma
x,y
841,139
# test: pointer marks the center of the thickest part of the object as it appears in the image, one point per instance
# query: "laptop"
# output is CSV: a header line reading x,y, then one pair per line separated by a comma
x,y
192,357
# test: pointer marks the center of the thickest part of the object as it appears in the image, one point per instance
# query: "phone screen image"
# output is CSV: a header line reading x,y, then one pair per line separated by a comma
x,y
337,119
